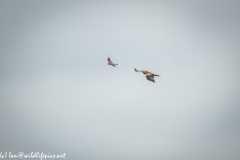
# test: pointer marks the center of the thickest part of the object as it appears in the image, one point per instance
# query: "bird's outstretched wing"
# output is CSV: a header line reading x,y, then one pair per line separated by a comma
x,y
150,78
137,70
109,60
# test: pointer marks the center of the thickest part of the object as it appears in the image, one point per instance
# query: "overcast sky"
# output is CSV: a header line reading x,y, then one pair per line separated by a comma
x,y
58,95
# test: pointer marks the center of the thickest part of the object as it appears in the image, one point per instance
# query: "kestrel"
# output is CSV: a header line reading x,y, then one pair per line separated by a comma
x,y
111,63
149,75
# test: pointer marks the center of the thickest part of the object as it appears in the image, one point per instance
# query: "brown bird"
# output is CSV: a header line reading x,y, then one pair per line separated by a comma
x,y
149,75
111,63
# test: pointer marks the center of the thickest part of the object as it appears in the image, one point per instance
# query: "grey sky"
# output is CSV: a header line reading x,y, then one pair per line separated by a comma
x,y
59,95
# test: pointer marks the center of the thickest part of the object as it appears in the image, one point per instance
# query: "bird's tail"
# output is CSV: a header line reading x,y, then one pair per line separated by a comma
x,y
156,75
136,70
115,64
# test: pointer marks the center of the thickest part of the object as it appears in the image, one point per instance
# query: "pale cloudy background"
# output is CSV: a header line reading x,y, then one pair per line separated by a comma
x,y
58,95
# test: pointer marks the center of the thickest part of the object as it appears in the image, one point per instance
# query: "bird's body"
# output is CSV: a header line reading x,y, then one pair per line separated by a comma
x,y
111,63
149,75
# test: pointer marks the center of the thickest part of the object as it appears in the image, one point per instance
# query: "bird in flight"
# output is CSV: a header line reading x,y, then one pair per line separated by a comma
x,y
149,75
111,63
